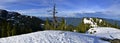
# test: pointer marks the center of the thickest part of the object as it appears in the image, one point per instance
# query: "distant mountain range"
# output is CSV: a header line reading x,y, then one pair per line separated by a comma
x,y
79,16
76,21
97,14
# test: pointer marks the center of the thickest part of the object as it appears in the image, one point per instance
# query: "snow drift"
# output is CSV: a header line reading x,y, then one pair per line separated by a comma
x,y
105,32
52,37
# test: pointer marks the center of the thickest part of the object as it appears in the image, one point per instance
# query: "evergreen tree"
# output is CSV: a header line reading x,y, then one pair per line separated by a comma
x,y
8,29
82,28
116,24
47,24
62,25
13,31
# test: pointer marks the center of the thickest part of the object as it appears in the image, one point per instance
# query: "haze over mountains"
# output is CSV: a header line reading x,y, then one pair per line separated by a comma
x,y
93,14
96,14
76,21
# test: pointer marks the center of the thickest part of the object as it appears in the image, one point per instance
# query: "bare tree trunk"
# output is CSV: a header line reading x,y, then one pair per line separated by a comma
x,y
54,17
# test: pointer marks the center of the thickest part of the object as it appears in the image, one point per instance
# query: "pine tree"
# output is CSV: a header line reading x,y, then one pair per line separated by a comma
x,y
116,25
62,25
70,28
2,32
8,29
47,24
82,28
13,31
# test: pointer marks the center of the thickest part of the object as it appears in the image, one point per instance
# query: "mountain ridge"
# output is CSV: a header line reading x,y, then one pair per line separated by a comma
x,y
14,23
78,20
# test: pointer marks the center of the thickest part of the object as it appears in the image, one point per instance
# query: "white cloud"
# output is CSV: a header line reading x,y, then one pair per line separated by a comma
x,y
2,7
3,3
62,11
9,0
35,12
114,9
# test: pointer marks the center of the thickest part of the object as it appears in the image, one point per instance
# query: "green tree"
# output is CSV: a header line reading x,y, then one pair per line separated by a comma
x,y
82,28
62,25
13,31
47,24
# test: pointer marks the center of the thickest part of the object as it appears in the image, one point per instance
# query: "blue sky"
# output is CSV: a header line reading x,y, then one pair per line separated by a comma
x,y
65,8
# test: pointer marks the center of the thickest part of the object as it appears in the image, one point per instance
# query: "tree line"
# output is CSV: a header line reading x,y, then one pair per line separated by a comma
x,y
82,28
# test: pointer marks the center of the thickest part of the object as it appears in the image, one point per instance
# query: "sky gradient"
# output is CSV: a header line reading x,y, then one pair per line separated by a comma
x,y
65,8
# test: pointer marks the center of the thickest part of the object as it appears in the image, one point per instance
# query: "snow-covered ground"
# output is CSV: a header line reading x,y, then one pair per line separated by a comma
x,y
52,37
106,32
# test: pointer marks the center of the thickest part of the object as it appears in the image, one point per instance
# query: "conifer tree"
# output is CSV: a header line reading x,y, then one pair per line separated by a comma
x,y
62,25
13,31
47,24
8,29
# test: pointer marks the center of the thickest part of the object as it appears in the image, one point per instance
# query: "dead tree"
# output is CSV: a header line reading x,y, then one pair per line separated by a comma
x,y
53,11
54,16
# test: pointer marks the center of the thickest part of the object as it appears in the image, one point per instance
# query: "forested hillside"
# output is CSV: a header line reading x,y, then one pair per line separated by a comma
x,y
13,23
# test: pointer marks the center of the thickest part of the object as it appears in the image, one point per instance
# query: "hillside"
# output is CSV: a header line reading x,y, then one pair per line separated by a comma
x,y
52,37
14,23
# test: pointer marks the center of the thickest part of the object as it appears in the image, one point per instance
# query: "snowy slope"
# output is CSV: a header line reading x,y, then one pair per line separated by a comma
x,y
52,37
106,32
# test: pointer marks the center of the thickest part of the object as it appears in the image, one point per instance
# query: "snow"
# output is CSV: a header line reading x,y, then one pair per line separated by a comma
x,y
90,21
52,36
42,24
87,21
9,19
107,32
100,20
